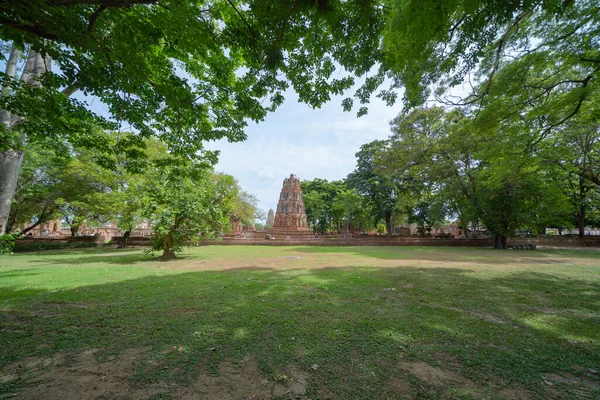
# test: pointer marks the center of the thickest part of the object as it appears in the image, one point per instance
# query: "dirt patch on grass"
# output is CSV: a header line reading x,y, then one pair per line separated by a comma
x,y
445,379
580,386
514,394
78,377
83,377
433,376
400,388
243,380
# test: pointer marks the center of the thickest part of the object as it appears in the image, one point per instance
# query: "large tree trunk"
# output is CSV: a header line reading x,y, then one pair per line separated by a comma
x,y
500,242
581,221
581,212
168,253
123,241
11,160
388,225
347,228
10,165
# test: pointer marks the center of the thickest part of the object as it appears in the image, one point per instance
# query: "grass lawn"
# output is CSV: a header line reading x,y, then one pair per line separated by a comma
x,y
301,322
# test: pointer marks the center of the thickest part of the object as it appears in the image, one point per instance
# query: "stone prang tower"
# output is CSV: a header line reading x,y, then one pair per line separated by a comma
x,y
290,219
270,217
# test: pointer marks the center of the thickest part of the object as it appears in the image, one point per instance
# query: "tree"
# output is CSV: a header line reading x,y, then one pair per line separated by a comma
x,y
37,190
449,164
84,187
185,203
574,151
320,205
243,204
434,45
315,209
434,154
426,213
377,187
70,187
348,202
181,71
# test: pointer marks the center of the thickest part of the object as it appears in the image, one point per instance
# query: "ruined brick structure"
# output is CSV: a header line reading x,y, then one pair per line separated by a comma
x,y
270,217
290,219
236,227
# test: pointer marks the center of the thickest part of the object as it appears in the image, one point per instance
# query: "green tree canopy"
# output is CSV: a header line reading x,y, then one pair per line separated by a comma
x,y
183,71
375,185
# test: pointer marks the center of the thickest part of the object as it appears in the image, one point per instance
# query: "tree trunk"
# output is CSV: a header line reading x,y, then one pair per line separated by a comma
x,y
581,222
11,70
347,230
388,225
10,165
581,213
74,230
123,241
168,253
11,160
500,242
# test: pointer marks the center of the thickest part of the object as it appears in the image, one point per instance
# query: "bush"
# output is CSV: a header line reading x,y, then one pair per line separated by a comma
x,y
7,243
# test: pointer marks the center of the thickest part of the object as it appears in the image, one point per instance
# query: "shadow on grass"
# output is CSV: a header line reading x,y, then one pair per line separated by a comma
x,y
108,257
440,253
18,272
419,253
351,322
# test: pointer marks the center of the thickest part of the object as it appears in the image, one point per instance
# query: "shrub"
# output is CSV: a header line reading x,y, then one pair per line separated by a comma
x,y
7,243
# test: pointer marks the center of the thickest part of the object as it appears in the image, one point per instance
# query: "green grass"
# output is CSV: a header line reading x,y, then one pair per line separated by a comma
x,y
502,318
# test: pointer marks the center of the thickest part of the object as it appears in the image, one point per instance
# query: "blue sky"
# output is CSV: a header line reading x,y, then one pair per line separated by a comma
x,y
296,139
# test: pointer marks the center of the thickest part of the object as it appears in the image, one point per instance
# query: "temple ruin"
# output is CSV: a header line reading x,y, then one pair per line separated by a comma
x,y
290,218
270,218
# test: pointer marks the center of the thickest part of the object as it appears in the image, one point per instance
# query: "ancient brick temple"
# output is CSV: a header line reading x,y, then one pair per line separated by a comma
x,y
290,218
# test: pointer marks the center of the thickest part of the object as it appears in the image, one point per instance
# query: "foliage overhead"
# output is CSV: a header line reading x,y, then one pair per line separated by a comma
x,y
544,54
183,71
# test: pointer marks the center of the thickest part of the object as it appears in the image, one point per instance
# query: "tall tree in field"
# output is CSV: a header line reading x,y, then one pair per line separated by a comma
x,y
243,204
575,151
320,195
181,71
378,188
39,186
348,202
185,203
315,209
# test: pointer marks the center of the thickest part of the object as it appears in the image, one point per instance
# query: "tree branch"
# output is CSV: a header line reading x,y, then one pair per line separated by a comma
x,y
35,30
243,19
94,17
106,3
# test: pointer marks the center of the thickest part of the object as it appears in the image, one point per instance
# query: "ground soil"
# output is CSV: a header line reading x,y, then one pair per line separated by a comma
x,y
83,377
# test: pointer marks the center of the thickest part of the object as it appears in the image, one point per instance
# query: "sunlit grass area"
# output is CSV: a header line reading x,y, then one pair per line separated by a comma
x,y
316,322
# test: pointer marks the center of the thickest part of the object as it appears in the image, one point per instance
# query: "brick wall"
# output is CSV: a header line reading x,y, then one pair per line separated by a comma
x,y
25,244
